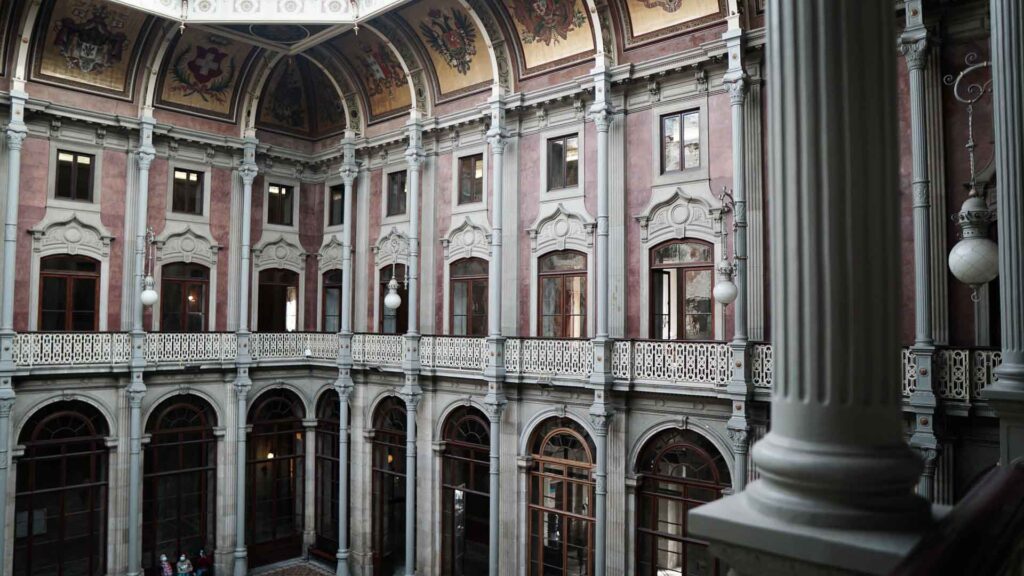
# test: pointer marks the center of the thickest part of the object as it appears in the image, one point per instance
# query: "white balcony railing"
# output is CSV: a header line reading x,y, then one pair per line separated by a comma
x,y
960,374
453,352
71,349
293,345
762,365
547,357
190,348
377,349
691,363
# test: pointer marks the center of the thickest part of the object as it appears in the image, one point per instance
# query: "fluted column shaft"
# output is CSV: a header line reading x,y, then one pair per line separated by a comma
x,y
600,418
411,403
242,387
494,412
835,455
1007,395
414,159
494,279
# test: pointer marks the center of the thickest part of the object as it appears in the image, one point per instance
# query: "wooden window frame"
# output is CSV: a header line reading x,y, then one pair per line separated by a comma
x,y
402,313
198,190
282,191
476,185
323,301
563,161
385,442
682,290
475,457
390,208
562,276
336,207
73,178
681,116
70,277
185,283
470,281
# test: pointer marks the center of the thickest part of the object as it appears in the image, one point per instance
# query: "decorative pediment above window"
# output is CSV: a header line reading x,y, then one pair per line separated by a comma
x,y
186,245
70,234
561,229
392,248
467,240
330,254
278,253
675,214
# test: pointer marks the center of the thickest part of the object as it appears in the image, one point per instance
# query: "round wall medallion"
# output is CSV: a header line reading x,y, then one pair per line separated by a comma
x,y
188,245
561,227
468,238
280,252
679,214
73,235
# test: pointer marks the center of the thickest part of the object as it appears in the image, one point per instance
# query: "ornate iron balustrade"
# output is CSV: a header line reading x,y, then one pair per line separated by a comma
x,y
691,363
454,352
762,365
190,348
546,357
960,374
293,345
72,348
377,349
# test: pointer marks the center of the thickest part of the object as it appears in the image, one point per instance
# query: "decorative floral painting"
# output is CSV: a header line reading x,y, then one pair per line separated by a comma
x,y
89,44
284,101
379,71
456,47
648,17
551,30
202,73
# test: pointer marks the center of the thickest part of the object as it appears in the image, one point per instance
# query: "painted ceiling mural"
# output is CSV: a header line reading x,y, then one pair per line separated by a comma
x,y
203,73
379,71
299,99
551,32
456,46
89,44
649,19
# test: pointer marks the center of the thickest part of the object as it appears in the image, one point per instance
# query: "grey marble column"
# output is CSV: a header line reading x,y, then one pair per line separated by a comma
x,y
495,408
243,384
412,396
600,416
837,477
344,383
915,47
1007,395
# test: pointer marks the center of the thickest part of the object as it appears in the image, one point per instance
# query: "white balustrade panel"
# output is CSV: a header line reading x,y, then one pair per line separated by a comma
x,y
622,360
323,345
459,353
557,357
71,348
382,349
186,348
909,363
953,370
513,355
985,362
278,345
693,363
762,365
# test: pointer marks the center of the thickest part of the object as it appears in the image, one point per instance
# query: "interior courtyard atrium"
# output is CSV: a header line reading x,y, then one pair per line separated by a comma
x,y
512,287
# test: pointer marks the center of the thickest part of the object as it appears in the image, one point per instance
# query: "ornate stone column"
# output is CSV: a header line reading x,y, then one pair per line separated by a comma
x,y
740,386
1007,395
600,417
16,133
344,384
915,48
495,370
243,383
137,388
837,477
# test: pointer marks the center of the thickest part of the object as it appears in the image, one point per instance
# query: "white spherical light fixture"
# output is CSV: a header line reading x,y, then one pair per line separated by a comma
x,y
392,300
149,295
974,260
725,292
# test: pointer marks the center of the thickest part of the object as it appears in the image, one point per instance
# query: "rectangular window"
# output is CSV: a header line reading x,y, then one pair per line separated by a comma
x,y
680,141
397,192
563,162
74,176
471,179
336,205
188,192
279,204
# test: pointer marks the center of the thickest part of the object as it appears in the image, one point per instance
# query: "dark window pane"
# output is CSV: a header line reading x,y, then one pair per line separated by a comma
x,y
336,208
74,176
280,201
556,164
572,159
188,192
691,140
397,193
671,143
471,179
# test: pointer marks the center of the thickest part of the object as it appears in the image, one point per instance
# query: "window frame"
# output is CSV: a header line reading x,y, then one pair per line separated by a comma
x,y
681,115
262,293
73,178
185,282
96,190
562,275
692,104
480,156
199,189
282,190
402,313
564,184
404,214
71,277
470,280
329,187
681,288
325,286
296,187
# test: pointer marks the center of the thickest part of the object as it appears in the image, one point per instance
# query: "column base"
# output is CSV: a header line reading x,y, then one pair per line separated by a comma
x,y
756,544
241,562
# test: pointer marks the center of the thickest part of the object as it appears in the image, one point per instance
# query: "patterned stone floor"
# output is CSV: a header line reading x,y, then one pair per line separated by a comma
x,y
298,569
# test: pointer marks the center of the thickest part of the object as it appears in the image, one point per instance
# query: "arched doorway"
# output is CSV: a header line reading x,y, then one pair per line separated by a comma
x,y
326,482
678,471
179,483
465,489
682,277
275,477
561,497
60,511
389,434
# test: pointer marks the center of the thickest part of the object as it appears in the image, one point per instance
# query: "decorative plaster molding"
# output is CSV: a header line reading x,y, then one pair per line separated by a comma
x,y
71,234
677,216
392,248
561,229
278,253
468,240
186,245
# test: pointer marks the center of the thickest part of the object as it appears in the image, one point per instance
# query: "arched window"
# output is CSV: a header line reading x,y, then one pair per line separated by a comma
x,y
278,301
60,515
275,478
69,293
179,494
465,489
389,434
561,510
331,321
327,466
469,297
394,321
184,297
562,286
682,277
679,470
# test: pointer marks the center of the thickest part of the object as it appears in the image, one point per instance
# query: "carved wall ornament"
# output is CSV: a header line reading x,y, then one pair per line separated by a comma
x,y
186,246
467,240
71,235
561,229
279,253
392,248
330,255
677,216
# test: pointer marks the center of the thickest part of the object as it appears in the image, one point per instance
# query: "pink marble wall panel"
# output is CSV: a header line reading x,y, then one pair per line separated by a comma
x,y
386,126
82,100
720,168
311,225
589,169
529,204
672,45
554,77
460,104
638,194
373,225
179,120
112,211
443,224
156,217
300,145
220,227
35,158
